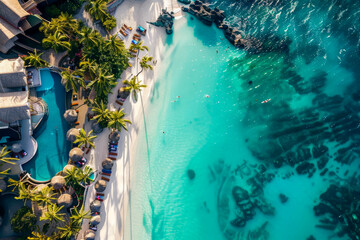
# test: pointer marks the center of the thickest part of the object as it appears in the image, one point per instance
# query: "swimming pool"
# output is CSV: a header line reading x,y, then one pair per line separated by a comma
x,y
52,151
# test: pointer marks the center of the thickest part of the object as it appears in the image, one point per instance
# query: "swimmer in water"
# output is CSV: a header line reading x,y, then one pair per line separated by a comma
x,y
217,51
207,96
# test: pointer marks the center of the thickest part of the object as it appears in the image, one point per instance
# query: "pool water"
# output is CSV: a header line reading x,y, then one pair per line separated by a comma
x,y
52,154
208,114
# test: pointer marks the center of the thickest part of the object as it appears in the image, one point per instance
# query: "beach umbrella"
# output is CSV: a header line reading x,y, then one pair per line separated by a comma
x,y
95,126
123,93
107,163
16,147
76,154
65,200
58,182
70,115
2,185
72,134
114,136
95,206
90,235
95,220
100,185
38,188
67,168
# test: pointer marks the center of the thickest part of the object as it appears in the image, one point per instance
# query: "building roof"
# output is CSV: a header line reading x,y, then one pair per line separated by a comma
x,y
14,106
12,12
12,74
7,36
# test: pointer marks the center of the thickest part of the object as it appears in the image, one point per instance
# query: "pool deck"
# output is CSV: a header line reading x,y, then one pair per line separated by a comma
x,y
81,106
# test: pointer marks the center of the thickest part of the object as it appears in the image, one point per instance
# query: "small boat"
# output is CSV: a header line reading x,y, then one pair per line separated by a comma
x,y
267,100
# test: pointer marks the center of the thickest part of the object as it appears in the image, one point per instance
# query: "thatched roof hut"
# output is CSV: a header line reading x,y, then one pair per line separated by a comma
x,y
95,206
65,200
95,220
89,235
100,185
70,115
58,182
67,168
107,163
76,154
39,187
72,134
114,136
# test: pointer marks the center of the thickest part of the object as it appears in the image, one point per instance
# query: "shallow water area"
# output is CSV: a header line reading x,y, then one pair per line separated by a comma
x,y
208,114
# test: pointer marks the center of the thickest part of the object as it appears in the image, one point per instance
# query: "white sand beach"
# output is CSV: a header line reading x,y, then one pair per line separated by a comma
x,y
115,204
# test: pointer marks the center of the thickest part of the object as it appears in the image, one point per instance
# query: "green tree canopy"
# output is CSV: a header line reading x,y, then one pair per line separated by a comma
x,y
133,85
23,221
35,60
117,120
85,139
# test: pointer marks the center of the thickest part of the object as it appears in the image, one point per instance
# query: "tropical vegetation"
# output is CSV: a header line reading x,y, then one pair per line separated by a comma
x,y
23,221
133,85
35,60
117,121
98,11
72,80
85,139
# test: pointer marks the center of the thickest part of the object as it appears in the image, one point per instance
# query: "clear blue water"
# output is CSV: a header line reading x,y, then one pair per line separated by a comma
x,y
52,154
220,128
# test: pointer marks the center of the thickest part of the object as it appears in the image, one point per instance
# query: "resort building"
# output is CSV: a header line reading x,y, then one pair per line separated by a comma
x,y
16,23
15,114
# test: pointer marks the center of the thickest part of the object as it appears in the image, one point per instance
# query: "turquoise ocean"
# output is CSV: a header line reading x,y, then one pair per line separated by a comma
x,y
244,145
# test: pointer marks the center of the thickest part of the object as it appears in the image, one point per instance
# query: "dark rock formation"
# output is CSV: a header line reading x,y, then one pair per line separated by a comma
x,y
306,168
283,198
191,174
185,1
321,163
165,20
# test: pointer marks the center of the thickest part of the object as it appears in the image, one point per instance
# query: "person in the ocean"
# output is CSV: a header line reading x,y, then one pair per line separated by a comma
x,y
217,51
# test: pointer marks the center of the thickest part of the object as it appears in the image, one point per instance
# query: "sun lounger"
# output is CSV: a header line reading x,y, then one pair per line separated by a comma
x,y
114,154
95,213
106,174
123,33
130,28
137,35
141,30
118,102
134,42
112,158
74,104
77,123
101,194
92,227
120,36
136,38
100,197
106,170
106,179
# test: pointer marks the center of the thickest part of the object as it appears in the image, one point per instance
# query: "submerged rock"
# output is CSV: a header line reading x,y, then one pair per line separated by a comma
x,y
283,198
306,168
191,174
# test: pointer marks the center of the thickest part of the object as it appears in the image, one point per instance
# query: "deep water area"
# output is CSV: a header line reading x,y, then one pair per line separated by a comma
x,y
243,144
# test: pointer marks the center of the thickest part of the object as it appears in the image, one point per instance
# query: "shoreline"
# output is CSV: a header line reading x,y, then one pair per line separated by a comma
x,y
115,205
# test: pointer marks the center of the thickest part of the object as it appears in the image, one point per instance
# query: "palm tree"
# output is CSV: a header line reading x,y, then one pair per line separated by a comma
x,y
70,229
102,83
40,236
78,216
4,156
117,121
89,37
97,9
115,44
85,174
68,24
86,140
72,175
57,41
101,112
35,60
14,183
139,46
88,67
45,196
144,63
133,85
52,214
72,80
24,193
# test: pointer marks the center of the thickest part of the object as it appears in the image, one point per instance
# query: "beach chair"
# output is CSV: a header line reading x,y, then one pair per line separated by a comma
x,y
123,33
100,194
118,102
112,153
106,179
137,35
106,170
120,36
141,30
112,158
134,42
106,174
130,28
74,104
